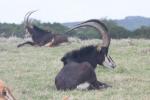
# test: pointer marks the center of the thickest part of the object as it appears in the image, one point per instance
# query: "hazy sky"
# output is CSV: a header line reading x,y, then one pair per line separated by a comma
x,y
13,11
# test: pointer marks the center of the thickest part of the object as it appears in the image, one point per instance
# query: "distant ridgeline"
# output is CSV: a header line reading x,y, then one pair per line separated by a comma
x,y
130,27
133,22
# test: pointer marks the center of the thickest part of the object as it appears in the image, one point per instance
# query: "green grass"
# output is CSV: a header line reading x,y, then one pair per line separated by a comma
x,y
30,71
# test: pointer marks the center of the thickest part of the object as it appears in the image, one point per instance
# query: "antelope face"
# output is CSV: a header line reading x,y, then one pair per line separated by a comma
x,y
108,62
2,93
6,94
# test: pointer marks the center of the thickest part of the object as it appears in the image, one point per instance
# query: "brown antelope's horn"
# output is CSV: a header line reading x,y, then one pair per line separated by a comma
x,y
99,26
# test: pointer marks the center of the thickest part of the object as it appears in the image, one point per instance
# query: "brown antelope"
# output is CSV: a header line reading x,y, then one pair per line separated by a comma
x,y
5,93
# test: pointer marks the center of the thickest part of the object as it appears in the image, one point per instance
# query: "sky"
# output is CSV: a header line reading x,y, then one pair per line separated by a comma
x,y
13,11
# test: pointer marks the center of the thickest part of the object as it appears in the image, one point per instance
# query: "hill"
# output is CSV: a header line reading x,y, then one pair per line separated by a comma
x,y
133,22
130,22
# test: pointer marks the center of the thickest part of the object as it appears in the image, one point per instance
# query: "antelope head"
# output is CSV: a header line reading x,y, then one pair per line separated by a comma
x,y
5,93
103,48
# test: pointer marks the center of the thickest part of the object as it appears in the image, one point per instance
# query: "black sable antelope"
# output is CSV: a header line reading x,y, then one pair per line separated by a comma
x,y
39,36
79,65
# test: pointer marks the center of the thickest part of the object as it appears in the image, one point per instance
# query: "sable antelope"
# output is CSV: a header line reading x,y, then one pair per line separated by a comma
x,y
40,36
5,93
79,64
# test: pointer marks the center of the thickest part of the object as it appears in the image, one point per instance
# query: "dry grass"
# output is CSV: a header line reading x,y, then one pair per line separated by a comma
x,y
30,71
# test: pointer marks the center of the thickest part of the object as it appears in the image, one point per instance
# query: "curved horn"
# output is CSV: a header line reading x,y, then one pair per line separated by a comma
x,y
26,18
99,26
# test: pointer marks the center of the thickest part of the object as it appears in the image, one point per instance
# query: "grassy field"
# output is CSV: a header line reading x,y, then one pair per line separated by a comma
x,y
30,71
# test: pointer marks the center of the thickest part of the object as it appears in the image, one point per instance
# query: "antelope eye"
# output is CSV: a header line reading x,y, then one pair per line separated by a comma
x,y
4,93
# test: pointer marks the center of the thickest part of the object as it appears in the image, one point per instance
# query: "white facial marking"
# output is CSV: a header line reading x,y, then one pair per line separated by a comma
x,y
108,62
83,86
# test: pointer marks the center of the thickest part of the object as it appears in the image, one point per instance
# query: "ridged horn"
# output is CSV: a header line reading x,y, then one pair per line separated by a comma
x,y
26,18
99,26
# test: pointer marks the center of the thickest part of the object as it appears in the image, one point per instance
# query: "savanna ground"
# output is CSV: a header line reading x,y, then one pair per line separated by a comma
x,y
30,71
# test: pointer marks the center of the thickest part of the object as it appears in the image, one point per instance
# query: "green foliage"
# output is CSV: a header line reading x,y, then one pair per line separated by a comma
x,y
86,33
117,32
143,32
7,30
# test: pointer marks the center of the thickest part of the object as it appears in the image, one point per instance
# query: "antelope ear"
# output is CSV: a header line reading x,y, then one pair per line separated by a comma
x,y
4,91
2,85
63,59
